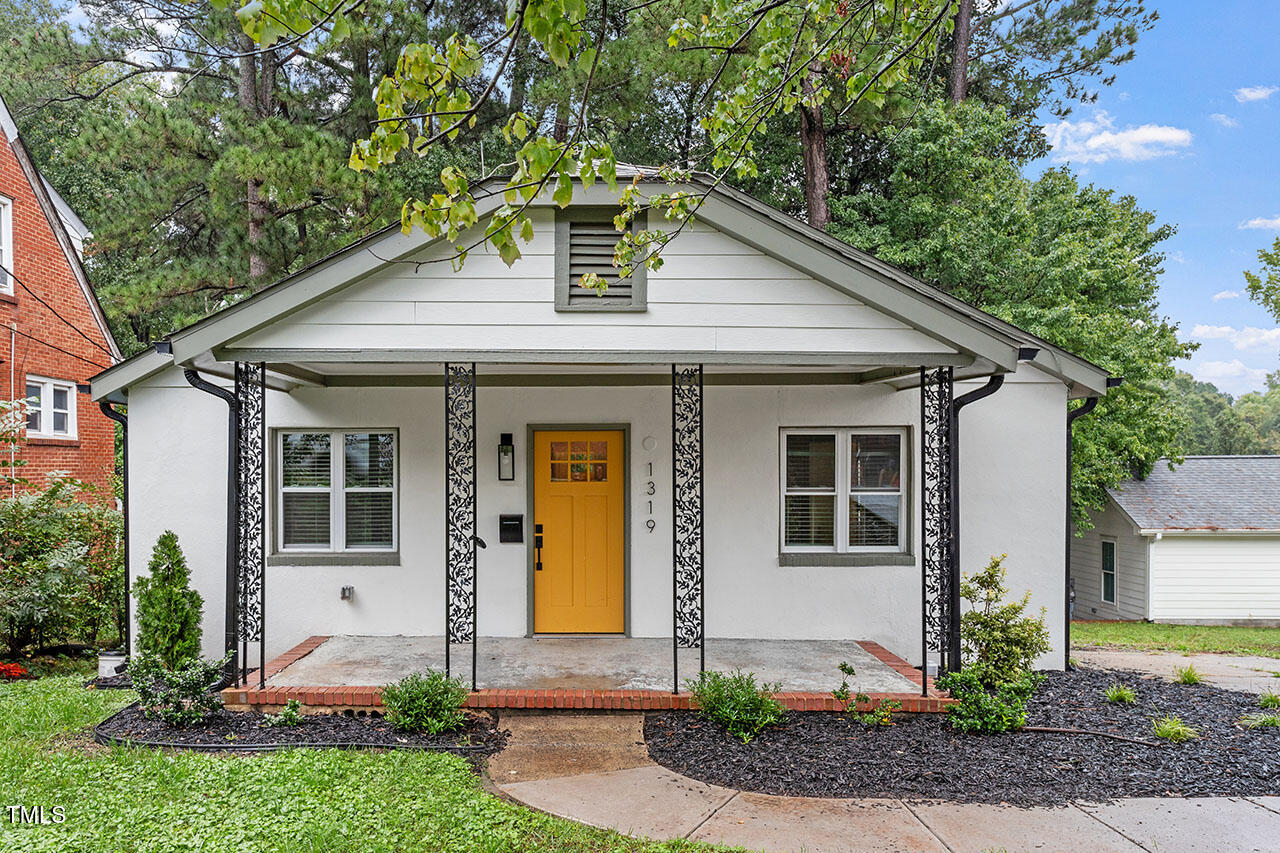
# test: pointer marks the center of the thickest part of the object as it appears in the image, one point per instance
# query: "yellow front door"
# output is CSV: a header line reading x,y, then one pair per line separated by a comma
x,y
578,499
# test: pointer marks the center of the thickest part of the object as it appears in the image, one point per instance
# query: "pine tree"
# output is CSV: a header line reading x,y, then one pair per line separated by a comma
x,y
169,611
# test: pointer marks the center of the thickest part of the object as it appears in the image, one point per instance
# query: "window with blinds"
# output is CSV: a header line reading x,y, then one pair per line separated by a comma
x,y
842,490
585,240
337,491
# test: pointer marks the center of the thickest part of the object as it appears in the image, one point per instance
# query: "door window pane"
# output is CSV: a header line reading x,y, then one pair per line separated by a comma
x,y
873,520
810,520
369,519
811,461
306,459
305,519
875,462
370,460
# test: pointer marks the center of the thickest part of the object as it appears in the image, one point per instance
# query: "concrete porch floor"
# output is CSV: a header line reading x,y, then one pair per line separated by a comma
x,y
590,663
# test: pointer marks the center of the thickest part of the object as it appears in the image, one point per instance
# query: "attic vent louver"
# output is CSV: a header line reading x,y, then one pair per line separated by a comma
x,y
584,244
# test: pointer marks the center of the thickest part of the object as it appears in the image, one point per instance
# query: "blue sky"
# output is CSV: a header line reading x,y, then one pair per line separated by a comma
x,y
1191,128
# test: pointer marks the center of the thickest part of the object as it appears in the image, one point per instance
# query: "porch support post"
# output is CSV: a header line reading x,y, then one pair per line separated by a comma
x,y
688,551
251,482
460,510
936,534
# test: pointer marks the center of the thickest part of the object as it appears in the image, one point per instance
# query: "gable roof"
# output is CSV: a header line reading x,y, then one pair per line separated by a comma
x,y
1206,493
67,227
995,346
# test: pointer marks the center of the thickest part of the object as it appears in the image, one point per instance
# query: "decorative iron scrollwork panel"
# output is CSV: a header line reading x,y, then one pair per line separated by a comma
x,y
687,499
936,390
460,501
251,400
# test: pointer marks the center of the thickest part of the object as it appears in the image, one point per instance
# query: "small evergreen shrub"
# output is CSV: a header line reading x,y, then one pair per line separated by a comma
x,y
430,703
290,715
1269,699
1187,675
179,696
1121,694
982,709
734,701
1172,729
999,641
169,611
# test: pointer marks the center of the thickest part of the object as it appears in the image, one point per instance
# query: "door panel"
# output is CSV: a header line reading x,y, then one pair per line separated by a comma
x,y
578,499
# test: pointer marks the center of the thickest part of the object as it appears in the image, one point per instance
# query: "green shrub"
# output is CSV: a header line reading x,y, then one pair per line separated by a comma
x,y
736,702
982,709
290,715
180,696
1260,721
430,703
1000,643
1269,699
1172,729
169,610
1121,694
1187,675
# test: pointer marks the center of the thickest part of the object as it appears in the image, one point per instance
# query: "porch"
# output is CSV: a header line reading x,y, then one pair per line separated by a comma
x,y
346,672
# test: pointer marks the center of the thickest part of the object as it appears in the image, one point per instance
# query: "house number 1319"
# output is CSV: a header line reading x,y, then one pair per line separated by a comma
x,y
650,489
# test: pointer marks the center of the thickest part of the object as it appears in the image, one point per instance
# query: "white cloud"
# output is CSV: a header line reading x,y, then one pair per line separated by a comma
x,y
1235,377
1262,223
1226,294
1096,140
1255,93
1250,337
1224,120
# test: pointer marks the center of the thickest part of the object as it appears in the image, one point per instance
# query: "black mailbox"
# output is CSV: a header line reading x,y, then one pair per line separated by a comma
x,y
511,528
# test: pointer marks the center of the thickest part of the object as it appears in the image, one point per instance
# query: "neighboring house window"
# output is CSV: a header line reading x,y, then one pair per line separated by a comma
x,y
1108,572
6,245
843,490
51,408
337,491
585,238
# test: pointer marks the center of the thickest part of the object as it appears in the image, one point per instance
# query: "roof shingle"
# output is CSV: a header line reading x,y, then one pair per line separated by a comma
x,y
1206,493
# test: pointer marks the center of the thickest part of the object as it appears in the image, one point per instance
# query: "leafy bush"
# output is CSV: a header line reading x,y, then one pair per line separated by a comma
x,y
430,703
1269,699
1260,721
988,710
290,715
1187,675
999,642
169,610
181,696
13,670
1122,694
1172,729
736,702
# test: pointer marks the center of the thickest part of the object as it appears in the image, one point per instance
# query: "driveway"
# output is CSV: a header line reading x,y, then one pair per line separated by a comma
x,y
1234,672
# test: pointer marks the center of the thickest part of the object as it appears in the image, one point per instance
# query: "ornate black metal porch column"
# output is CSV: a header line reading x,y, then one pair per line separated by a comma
x,y
936,476
460,510
688,551
251,486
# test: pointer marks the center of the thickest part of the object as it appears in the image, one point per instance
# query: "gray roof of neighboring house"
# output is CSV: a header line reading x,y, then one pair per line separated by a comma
x,y
1206,493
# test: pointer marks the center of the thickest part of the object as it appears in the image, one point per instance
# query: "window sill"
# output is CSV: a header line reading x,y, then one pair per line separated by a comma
x,y
370,558
574,309
835,560
48,440
8,298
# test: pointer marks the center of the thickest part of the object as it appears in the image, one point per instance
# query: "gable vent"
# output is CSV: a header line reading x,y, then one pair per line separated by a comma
x,y
591,251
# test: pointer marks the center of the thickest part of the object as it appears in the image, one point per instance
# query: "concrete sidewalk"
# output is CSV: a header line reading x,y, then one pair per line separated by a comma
x,y
596,770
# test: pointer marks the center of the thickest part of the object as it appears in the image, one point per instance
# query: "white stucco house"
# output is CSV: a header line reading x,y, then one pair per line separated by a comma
x,y
757,440
1198,544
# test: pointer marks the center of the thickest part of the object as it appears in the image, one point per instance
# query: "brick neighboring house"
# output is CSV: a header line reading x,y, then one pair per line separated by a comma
x,y
53,335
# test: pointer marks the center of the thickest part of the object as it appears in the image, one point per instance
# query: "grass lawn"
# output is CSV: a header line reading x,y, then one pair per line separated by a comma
x,y
1178,638
125,799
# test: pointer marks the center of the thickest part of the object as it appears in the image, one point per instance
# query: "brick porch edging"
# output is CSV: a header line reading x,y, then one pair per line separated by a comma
x,y
322,699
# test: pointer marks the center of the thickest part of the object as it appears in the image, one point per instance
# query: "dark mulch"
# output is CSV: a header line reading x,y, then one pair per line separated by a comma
x,y
113,682
830,755
244,729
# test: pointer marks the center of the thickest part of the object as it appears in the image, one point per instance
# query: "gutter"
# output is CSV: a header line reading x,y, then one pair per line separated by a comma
x,y
123,420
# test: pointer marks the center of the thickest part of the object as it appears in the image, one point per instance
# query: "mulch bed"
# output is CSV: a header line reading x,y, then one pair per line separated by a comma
x,y
112,682
244,731
920,757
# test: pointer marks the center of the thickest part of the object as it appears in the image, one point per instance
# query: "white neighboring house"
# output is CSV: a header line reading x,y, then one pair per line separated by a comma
x,y
1199,544
752,441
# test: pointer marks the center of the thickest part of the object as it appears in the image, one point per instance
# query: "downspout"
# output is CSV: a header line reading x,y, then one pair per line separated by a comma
x,y
123,420
1090,404
233,516
13,358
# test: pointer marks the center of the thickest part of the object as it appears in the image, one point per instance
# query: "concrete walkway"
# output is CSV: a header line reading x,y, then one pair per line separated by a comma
x,y
1234,672
595,769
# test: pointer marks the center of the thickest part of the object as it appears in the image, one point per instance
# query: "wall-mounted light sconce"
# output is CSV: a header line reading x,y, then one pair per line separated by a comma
x,y
506,457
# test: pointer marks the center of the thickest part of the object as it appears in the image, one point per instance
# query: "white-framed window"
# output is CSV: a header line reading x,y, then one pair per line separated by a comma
x,y
6,244
337,490
1108,571
51,408
844,490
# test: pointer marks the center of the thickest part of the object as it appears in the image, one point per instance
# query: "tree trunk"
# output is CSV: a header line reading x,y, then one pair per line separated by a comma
x,y
959,82
249,102
560,132
817,179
